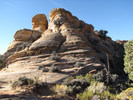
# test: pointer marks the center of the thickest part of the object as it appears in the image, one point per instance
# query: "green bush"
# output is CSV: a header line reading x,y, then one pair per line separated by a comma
x,y
21,82
96,90
34,85
60,89
102,34
67,80
97,87
128,60
79,77
126,95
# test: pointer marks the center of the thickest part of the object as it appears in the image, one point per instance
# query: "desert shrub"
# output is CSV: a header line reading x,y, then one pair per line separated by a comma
x,y
79,77
116,83
60,89
78,64
54,56
53,68
126,95
21,82
67,80
86,95
45,69
3,58
71,86
96,90
57,22
40,67
97,87
102,34
23,46
89,78
76,86
35,85
99,76
128,60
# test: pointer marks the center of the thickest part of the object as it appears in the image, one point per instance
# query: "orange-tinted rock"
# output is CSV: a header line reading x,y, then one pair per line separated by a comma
x,y
39,22
27,35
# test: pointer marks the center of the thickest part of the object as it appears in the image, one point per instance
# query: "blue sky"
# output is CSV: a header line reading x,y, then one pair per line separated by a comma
x,y
116,16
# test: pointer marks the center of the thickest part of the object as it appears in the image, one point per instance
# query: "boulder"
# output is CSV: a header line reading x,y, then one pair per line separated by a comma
x,y
27,35
48,42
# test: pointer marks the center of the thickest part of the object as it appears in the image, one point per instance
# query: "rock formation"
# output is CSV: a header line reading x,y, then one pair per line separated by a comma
x,y
72,39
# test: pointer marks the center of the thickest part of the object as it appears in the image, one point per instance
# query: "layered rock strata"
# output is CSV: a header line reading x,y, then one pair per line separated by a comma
x,y
79,48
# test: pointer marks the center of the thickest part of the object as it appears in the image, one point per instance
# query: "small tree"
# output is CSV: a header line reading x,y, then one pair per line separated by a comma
x,y
102,34
128,60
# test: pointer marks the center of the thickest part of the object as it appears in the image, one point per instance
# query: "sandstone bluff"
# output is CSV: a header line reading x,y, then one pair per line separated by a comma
x,y
71,39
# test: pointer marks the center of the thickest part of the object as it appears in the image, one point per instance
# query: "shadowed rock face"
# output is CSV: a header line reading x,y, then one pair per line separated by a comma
x,y
72,39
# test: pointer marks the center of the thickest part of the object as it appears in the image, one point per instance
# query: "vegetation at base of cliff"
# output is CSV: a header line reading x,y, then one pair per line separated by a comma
x,y
90,87
126,95
128,60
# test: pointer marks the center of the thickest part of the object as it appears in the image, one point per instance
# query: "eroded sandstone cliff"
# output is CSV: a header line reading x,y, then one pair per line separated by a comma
x,y
73,40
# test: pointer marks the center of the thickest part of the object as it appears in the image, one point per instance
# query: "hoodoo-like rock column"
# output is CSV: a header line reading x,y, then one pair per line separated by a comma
x,y
40,22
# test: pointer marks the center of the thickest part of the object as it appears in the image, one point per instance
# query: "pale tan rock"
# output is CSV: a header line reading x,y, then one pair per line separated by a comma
x,y
48,42
39,22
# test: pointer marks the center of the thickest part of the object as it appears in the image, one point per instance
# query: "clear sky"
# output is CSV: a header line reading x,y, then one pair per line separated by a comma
x,y
116,16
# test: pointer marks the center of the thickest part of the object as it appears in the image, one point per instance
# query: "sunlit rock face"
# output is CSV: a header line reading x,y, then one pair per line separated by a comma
x,y
39,22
